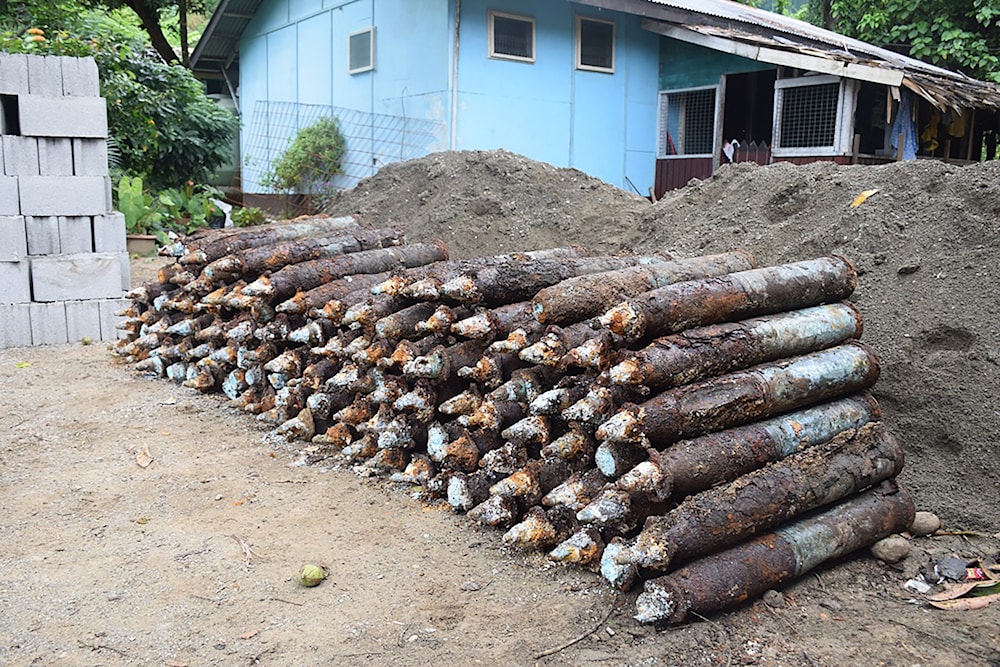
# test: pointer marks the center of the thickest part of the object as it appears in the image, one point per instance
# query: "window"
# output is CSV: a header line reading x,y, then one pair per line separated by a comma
x,y
808,114
512,37
595,45
687,122
361,46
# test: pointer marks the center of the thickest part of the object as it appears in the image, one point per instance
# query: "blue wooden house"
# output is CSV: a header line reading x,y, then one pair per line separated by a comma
x,y
644,94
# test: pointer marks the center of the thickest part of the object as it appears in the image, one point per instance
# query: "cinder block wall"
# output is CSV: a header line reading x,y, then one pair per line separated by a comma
x,y
63,264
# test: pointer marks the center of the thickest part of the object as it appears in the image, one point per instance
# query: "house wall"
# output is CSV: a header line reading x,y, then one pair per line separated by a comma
x,y
603,124
684,65
296,52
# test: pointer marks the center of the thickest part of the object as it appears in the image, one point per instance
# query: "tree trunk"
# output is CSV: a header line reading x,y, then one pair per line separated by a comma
x,y
151,24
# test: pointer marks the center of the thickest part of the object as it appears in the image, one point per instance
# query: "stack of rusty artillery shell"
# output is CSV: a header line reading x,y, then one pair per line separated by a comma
x,y
631,414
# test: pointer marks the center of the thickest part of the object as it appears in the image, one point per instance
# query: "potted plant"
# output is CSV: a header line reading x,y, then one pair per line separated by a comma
x,y
143,220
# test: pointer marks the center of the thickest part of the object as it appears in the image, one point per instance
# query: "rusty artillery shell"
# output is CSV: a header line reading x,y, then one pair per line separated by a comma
x,y
418,471
584,547
716,349
581,297
496,415
541,528
214,247
525,384
577,490
504,460
533,430
423,282
512,281
272,258
597,353
442,363
491,370
299,427
734,296
324,404
494,322
286,281
554,401
304,302
723,456
441,319
724,515
314,332
337,435
745,396
518,338
576,444
419,398
189,326
374,309
496,511
532,481
598,405
407,350
466,491
364,447
463,403
557,341
730,577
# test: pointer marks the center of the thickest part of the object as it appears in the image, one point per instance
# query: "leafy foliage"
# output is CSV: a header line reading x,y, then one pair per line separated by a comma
x,y
165,129
959,34
250,216
310,161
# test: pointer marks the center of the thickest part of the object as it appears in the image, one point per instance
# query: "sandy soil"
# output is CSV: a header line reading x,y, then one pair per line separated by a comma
x,y
143,523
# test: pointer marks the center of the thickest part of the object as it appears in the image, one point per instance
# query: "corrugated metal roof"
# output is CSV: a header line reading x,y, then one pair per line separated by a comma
x,y
219,45
739,23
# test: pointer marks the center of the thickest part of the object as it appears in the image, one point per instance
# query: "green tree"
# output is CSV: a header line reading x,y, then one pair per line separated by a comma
x,y
163,126
958,34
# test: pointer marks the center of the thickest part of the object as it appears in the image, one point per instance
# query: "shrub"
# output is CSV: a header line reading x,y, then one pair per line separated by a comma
x,y
310,161
250,216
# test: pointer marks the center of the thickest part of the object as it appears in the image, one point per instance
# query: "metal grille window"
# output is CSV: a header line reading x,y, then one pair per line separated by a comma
x,y
361,47
807,115
512,37
687,122
595,45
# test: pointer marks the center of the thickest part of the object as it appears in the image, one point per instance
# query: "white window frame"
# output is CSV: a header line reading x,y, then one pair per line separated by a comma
x,y
844,125
579,45
371,51
661,115
491,36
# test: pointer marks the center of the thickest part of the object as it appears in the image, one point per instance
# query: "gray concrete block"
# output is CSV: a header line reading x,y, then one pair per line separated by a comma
x,y
9,196
15,324
109,232
79,77
20,155
90,157
15,282
109,198
83,320
13,239
126,270
55,156
63,195
13,74
48,323
79,276
110,318
63,116
76,234
45,76
42,233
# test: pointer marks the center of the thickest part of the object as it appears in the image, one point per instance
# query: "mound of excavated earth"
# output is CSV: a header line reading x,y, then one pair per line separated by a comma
x,y
925,245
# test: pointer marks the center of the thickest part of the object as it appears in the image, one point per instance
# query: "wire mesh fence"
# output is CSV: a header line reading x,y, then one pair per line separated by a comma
x,y
372,141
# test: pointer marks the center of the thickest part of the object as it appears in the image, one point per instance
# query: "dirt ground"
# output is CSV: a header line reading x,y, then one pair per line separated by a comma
x,y
143,523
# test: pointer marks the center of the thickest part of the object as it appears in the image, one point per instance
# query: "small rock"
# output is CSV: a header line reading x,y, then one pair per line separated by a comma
x,y
925,523
774,599
891,549
907,269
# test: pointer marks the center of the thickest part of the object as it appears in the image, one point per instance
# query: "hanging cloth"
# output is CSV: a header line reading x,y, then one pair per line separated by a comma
x,y
905,125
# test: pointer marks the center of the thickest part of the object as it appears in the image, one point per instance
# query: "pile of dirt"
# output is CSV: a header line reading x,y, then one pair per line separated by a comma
x,y
925,245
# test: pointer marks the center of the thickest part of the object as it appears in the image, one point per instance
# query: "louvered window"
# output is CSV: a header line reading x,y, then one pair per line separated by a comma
x,y
595,45
361,56
512,37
